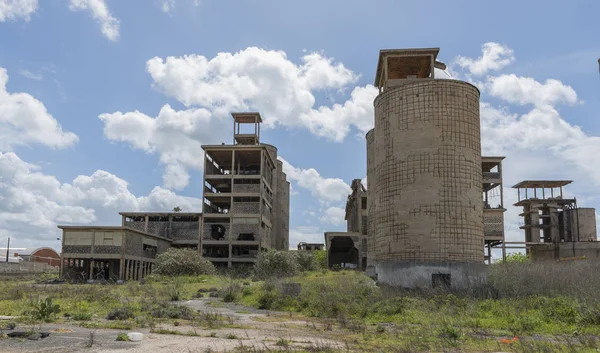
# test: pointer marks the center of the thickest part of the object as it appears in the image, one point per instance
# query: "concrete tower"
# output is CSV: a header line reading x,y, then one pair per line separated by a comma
x,y
426,193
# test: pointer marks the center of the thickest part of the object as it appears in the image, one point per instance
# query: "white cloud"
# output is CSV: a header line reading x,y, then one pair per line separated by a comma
x,y
494,57
177,136
24,120
526,90
100,12
175,177
17,9
30,75
251,79
167,6
308,234
335,122
267,81
33,203
334,216
540,129
325,190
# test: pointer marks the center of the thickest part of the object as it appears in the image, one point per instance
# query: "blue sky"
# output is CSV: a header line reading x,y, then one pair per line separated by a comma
x,y
75,61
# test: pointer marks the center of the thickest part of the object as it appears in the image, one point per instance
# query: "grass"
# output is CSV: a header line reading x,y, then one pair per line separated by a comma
x,y
536,312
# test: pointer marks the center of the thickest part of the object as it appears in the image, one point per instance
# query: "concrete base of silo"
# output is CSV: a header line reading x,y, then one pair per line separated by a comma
x,y
413,275
371,271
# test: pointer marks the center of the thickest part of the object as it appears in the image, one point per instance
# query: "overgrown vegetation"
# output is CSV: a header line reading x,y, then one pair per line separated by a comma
x,y
556,304
182,262
279,264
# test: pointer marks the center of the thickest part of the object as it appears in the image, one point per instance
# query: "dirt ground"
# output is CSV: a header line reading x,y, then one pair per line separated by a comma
x,y
256,330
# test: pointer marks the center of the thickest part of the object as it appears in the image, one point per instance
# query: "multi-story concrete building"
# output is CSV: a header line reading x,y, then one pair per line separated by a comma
x,y
246,210
246,197
349,248
555,227
126,252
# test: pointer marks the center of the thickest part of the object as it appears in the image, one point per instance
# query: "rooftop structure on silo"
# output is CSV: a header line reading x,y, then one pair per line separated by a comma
x,y
397,65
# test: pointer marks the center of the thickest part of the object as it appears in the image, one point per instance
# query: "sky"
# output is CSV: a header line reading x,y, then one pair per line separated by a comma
x,y
104,104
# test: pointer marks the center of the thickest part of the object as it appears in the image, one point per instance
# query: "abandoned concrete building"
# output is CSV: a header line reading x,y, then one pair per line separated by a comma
x,y
349,249
303,246
126,252
246,197
246,210
555,226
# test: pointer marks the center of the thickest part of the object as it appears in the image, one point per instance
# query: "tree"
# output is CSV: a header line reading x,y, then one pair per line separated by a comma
x,y
181,262
177,209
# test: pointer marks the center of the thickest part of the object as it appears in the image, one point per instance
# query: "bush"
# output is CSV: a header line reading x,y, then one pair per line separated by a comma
x,y
320,259
122,336
180,262
275,263
306,261
120,314
170,311
82,311
266,298
230,291
45,310
517,258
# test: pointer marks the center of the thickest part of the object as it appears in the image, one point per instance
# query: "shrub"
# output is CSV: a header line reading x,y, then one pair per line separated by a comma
x,y
306,261
45,310
449,332
174,289
320,259
266,299
120,314
170,311
82,311
179,262
517,258
230,291
122,336
275,263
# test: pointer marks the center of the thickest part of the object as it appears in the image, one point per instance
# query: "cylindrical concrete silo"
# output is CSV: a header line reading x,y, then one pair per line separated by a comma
x,y
370,138
580,224
428,189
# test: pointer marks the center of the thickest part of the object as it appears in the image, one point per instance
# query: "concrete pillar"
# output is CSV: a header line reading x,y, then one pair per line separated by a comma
x,y
139,270
91,270
121,268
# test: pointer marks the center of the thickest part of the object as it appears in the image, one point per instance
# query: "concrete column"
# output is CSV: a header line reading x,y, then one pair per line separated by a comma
x,y
126,277
91,269
139,270
121,268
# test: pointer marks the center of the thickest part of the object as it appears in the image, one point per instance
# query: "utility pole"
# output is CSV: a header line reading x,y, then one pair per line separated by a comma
x,y
7,250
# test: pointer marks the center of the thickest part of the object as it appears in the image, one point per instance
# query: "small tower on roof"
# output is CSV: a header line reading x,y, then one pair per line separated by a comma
x,y
245,135
398,65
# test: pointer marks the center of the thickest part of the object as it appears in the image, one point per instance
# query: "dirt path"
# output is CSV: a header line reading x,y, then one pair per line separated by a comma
x,y
257,330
